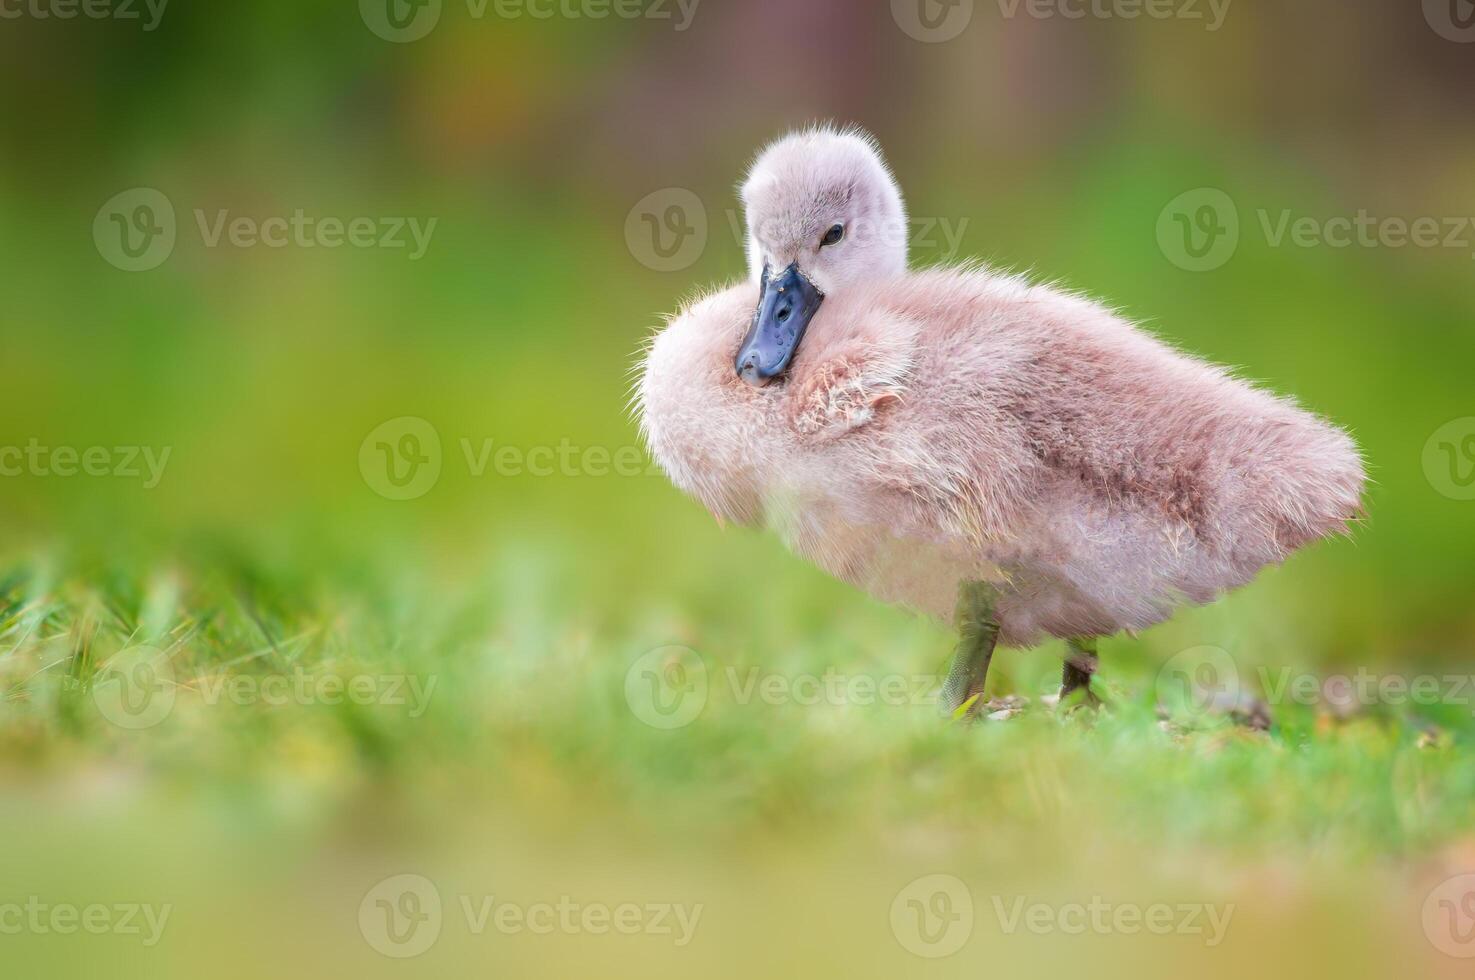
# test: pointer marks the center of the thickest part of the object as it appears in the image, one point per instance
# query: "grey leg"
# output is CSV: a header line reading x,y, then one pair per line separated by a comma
x,y
1080,665
978,631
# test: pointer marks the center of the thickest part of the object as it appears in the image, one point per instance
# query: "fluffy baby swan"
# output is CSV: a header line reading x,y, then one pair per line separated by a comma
x,y
1014,459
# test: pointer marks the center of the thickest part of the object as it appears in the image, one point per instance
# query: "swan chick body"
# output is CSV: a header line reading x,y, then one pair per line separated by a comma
x,y
952,426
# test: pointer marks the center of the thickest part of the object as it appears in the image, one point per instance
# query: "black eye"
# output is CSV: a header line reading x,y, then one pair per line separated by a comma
x,y
833,236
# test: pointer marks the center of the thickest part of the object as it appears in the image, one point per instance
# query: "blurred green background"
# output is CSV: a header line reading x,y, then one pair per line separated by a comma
x,y
549,151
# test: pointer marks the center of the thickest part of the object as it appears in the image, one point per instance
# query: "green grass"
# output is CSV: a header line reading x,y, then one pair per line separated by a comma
x,y
824,715
524,766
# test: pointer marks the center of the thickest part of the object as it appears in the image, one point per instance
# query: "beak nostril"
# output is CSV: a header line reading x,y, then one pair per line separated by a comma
x,y
783,314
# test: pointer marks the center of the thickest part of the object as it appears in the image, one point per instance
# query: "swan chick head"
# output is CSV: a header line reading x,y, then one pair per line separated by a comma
x,y
823,213
824,201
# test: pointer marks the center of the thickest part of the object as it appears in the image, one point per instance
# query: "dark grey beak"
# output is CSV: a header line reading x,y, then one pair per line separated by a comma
x,y
785,306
